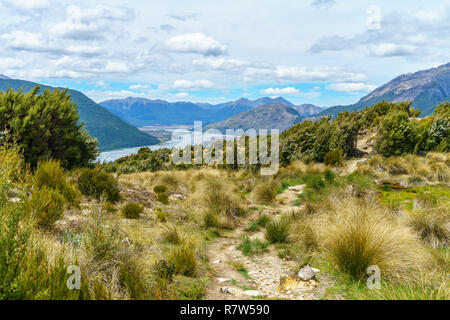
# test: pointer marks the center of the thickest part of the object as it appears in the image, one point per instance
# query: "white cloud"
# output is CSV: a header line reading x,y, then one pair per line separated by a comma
x,y
222,64
197,43
28,5
101,84
281,91
139,87
351,87
192,85
323,3
391,49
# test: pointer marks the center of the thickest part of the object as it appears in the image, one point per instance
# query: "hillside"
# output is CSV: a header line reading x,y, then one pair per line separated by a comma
x,y
306,110
141,112
268,116
111,131
426,89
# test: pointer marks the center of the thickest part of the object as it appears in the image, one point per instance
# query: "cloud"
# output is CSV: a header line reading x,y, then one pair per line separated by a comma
x,y
139,87
351,87
166,28
197,43
27,5
101,84
92,23
281,91
192,85
391,50
183,18
323,3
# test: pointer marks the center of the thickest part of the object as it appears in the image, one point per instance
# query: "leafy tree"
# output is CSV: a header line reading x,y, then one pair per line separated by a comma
x,y
396,135
46,126
439,133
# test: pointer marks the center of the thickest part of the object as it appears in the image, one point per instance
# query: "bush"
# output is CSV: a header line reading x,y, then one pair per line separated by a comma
x,y
51,175
132,210
160,189
183,258
97,184
47,207
277,231
396,135
163,198
334,158
161,215
45,124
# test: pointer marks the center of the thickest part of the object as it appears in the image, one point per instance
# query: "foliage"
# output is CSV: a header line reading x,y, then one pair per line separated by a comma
x,y
160,189
251,247
46,126
132,210
277,231
47,206
98,184
184,260
334,158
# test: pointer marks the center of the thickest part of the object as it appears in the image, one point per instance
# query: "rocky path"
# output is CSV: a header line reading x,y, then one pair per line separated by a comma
x,y
240,277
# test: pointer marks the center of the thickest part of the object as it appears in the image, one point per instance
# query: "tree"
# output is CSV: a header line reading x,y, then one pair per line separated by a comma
x,y
45,125
396,135
439,133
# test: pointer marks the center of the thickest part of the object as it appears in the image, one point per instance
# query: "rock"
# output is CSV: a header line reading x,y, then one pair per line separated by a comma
x,y
225,290
316,271
223,280
14,200
306,273
253,293
217,261
176,196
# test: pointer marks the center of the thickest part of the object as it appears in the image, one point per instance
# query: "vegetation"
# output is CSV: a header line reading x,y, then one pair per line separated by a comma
x,y
132,210
98,184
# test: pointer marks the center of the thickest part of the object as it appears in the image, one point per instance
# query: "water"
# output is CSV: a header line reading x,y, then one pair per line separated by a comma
x,y
180,139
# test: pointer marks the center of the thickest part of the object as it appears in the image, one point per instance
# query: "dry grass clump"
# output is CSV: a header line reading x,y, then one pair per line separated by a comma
x,y
266,191
184,260
174,235
358,235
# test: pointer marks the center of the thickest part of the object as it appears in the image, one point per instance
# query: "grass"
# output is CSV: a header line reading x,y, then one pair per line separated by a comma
x,y
256,225
277,231
183,258
250,247
132,210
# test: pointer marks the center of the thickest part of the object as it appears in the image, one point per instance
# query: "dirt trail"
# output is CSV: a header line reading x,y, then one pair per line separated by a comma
x,y
264,272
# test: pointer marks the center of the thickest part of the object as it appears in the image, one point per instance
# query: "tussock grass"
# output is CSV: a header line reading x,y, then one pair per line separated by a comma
x,y
266,191
358,235
277,231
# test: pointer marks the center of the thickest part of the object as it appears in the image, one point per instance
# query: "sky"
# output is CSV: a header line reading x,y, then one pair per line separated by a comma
x,y
324,52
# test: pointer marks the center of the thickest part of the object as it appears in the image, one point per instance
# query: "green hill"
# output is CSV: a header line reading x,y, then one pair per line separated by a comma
x,y
111,131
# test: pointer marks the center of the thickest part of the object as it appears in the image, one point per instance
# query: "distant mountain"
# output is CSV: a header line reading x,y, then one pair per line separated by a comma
x,y
141,112
3,77
306,110
268,116
111,131
426,89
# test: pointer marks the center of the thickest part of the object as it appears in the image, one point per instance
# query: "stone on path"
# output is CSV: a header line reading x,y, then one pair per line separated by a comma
x,y
253,293
306,273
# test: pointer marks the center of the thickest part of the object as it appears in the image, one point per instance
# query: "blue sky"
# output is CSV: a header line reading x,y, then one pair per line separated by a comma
x,y
325,52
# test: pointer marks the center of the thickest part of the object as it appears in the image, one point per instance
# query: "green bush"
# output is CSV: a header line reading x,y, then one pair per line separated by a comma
x,y
97,184
183,258
277,231
47,206
334,158
45,123
132,210
51,175
396,135
163,198
160,189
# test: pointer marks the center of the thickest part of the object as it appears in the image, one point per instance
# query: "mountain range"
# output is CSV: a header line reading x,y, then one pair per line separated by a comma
x,y
425,89
111,131
268,116
142,112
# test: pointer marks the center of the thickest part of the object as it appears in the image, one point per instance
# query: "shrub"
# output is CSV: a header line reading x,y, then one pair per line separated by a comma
x,y
395,136
174,235
98,184
51,175
163,198
334,158
183,258
109,207
132,210
46,123
160,189
316,182
47,207
161,215
277,231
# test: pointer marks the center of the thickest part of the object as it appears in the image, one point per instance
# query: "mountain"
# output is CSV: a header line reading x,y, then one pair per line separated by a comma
x,y
426,89
3,77
142,112
111,131
306,110
268,116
